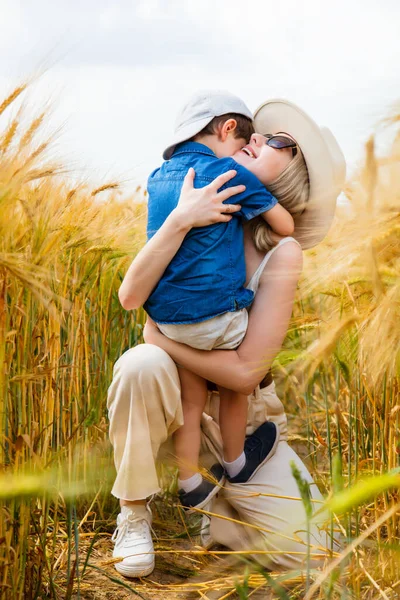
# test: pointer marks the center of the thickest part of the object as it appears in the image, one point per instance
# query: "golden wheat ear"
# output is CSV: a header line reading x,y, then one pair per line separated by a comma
x,y
12,97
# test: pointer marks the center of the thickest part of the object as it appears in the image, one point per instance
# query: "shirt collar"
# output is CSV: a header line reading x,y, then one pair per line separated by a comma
x,y
190,147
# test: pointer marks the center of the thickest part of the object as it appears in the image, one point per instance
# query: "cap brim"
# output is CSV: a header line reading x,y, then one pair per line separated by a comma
x,y
282,116
185,133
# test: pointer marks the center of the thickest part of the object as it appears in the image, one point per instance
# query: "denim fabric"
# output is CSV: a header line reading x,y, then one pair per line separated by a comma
x,y
206,277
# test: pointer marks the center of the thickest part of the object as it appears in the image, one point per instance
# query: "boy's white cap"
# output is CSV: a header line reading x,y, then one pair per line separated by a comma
x,y
200,110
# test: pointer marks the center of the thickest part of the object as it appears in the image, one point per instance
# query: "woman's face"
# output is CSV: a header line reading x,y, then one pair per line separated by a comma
x,y
265,162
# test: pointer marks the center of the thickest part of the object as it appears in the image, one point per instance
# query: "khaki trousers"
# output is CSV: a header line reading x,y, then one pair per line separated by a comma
x,y
144,407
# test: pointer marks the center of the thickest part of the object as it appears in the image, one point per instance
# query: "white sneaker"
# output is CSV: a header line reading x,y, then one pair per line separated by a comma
x,y
133,543
205,529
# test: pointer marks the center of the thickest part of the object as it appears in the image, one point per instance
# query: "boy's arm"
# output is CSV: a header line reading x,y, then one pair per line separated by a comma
x,y
257,200
197,207
280,220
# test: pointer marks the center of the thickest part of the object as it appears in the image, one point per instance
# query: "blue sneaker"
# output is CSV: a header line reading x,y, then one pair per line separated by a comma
x,y
207,489
258,448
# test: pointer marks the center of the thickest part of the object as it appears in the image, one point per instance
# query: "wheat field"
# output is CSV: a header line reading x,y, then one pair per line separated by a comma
x,y
64,251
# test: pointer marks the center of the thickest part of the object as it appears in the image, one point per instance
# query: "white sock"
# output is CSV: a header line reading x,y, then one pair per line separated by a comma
x,y
235,466
188,485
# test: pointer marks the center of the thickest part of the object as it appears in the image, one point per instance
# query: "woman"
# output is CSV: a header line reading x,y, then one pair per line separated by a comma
x,y
144,397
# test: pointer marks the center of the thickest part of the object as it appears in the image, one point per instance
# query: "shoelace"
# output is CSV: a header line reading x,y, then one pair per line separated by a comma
x,y
130,525
205,525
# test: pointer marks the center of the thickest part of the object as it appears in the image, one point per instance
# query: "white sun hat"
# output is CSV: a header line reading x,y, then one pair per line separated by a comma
x,y
324,159
199,111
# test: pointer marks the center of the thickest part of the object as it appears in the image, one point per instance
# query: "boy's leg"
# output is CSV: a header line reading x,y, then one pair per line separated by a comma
x,y
187,437
233,410
243,457
194,491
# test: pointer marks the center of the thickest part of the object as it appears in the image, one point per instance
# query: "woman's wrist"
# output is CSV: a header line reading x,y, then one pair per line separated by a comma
x,y
180,220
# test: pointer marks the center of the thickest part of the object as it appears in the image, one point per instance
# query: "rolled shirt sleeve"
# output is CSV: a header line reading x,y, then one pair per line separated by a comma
x,y
256,199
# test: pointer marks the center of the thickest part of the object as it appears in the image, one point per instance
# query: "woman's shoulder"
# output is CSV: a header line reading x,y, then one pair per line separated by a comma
x,y
289,249
291,242
287,253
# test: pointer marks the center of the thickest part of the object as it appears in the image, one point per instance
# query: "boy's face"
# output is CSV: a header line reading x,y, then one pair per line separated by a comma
x,y
230,146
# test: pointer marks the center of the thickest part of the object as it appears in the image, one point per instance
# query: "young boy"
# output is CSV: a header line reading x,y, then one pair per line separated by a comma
x,y
201,299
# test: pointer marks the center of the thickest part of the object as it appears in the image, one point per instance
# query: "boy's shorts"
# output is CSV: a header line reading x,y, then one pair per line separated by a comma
x,y
224,332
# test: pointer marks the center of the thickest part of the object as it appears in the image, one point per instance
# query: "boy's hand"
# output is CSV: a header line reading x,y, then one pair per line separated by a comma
x,y
198,207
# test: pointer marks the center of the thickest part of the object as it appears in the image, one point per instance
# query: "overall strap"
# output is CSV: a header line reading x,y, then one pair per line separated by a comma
x,y
255,279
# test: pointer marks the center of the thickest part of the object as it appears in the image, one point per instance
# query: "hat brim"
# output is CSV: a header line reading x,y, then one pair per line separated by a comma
x,y
324,160
185,133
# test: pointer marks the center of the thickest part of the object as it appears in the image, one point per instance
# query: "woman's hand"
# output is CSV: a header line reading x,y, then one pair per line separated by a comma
x,y
198,207
151,333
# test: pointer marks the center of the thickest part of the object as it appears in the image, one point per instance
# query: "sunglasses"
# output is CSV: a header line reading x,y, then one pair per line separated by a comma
x,y
281,141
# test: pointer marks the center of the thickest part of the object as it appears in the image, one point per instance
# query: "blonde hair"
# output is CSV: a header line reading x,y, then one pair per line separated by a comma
x,y
291,189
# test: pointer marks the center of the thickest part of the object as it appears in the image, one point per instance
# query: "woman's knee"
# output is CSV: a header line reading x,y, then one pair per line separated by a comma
x,y
145,361
146,380
136,372
283,550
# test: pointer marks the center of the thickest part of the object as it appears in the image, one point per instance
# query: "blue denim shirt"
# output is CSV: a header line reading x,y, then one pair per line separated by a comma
x,y
207,275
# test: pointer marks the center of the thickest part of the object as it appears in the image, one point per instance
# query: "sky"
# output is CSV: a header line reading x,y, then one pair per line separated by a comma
x,y
116,73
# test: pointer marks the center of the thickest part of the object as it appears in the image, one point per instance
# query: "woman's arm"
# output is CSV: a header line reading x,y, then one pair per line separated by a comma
x,y
241,370
196,208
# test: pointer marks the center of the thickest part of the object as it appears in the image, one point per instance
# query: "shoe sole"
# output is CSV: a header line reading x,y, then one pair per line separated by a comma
x,y
266,459
210,496
209,542
133,572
